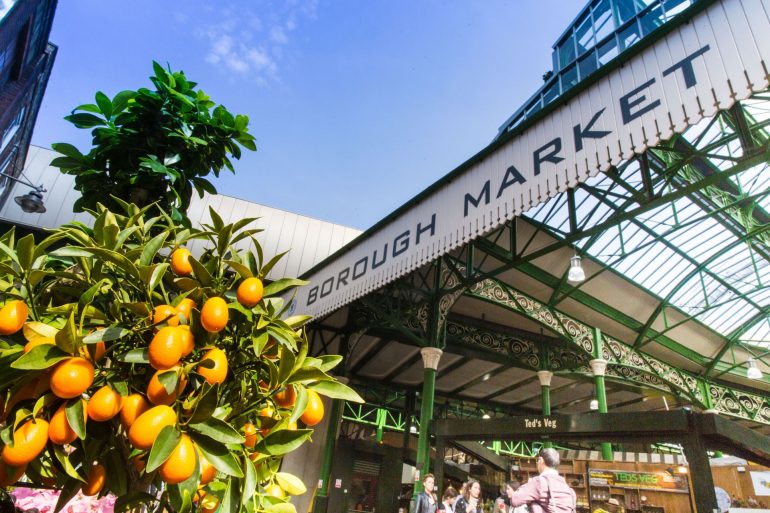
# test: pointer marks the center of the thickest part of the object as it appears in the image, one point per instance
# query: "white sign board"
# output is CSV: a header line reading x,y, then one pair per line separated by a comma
x,y
761,482
721,56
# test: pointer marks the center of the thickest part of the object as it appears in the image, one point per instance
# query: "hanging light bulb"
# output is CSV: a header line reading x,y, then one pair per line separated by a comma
x,y
593,405
486,416
576,273
753,372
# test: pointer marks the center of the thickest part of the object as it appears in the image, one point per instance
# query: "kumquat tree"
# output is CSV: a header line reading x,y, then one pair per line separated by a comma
x,y
129,366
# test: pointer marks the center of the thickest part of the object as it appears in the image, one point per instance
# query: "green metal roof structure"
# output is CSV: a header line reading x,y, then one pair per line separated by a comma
x,y
674,242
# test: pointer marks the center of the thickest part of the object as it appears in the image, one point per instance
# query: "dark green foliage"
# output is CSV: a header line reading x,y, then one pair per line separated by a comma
x,y
153,146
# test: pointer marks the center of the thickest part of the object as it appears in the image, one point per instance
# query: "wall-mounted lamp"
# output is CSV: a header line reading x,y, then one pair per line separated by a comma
x,y
576,273
32,202
752,371
593,405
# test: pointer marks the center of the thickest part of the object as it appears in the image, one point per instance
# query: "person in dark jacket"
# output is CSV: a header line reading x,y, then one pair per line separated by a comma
x,y
426,501
469,500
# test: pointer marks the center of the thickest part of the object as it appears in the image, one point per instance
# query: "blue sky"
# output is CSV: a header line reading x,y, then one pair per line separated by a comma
x,y
357,105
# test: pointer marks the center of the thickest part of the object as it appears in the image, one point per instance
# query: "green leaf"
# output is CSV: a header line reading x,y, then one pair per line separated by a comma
x,y
300,403
308,375
206,404
64,459
67,150
68,491
283,284
133,499
283,441
169,380
162,447
216,220
76,416
84,120
117,259
120,100
218,430
25,248
200,272
290,483
106,335
297,321
104,103
116,482
218,455
281,507
231,502
151,248
250,483
286,364
336,390
241,269
67,338
329,361
138,355
40,357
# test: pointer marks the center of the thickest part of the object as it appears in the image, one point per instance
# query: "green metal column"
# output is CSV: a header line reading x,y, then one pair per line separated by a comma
x,y
335,415
545,389
708,402
430,359
598,367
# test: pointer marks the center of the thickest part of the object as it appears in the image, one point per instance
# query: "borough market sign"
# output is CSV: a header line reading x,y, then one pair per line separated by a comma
x,y
719,57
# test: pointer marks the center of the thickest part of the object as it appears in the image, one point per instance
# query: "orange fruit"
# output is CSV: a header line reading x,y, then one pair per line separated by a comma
x,y
133,406
59,430
104,404
167,314
180,262
286,397
9,474
250,432
39,342
28,442
184,308
12,317
214,315
188,341
250,292
218,372
149,424
95,480
314,411
254,455
208,471
72,377
166,347
180,464
156,392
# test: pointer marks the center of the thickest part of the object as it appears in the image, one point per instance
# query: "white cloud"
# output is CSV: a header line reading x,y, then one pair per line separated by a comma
x,y
238,42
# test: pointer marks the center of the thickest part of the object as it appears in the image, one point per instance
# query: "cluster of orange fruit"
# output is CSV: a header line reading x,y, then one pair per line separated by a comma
x,y
142,415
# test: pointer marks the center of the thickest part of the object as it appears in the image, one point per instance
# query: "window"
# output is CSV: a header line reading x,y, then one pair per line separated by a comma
x,y
38,37
587,65
5,7
12,129
584,35
603,20
624,10
607,52
567,51
7,60
629,36
533,107
569,78
674,7
652,20
551,93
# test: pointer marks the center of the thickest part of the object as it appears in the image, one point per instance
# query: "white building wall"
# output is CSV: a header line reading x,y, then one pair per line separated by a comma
x,y
307,240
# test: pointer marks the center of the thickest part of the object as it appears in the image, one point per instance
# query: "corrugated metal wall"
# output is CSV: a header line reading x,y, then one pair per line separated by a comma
x,y
308,240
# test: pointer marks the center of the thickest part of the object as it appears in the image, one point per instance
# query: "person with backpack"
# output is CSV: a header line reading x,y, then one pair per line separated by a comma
x,y
547,492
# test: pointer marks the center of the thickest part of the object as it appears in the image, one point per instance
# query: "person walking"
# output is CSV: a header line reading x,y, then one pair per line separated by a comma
x,y
426,502
547,492
448,500
469,500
